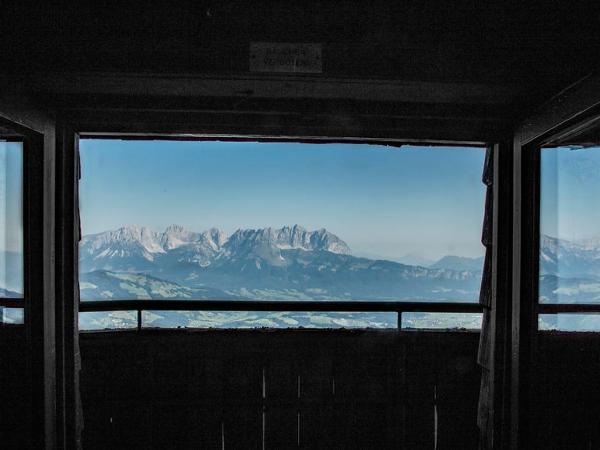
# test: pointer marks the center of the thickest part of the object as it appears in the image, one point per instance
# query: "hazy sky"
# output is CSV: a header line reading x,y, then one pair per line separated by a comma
x,y
570,192
381,200
11,200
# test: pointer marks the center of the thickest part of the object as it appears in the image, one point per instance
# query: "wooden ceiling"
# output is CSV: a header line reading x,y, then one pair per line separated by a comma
x,y
442,65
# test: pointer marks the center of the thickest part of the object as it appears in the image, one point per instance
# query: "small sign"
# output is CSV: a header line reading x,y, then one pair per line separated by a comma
x,y
287,58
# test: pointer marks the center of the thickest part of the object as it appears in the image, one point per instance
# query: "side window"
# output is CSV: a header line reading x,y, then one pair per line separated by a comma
x,y
570,235
11,232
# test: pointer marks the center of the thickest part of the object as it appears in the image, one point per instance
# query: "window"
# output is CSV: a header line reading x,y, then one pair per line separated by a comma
x,y
11,232
569,234
278,222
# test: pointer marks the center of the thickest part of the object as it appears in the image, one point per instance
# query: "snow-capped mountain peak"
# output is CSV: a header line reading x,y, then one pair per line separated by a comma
x,y
577,258
215,238
134,246
175,236
126,236
287,238
592,243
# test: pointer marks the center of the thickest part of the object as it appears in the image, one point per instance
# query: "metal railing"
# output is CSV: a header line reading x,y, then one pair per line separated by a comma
x,y
12,302
398,307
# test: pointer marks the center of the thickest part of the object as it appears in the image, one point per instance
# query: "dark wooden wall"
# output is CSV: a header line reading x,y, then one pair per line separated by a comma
x,y
461,70
178,390
15,389
363,390
565,393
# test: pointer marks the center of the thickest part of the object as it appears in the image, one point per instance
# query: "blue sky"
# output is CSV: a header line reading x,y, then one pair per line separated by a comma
x,y
381,200
11,199
570,188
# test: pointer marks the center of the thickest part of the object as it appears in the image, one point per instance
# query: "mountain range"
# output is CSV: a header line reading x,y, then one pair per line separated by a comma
x,y
11,273
293,263
458,263
5,293
579,258
269,263
569,270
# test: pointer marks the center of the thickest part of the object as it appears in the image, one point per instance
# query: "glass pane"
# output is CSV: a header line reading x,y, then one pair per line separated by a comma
x,y
570,225
107,320
280,221
11,316
267,319
569,322
445,321
11,219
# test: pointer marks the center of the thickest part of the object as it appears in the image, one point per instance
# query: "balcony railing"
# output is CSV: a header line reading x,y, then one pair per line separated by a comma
x,y
276,305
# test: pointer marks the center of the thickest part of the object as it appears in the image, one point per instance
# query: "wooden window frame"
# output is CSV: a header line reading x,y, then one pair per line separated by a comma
x,y
568,112
38,300
397,307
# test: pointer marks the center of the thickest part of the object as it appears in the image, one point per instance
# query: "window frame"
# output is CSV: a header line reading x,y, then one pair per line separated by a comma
x,y
139,306
532,164
19,303
35,223
38,301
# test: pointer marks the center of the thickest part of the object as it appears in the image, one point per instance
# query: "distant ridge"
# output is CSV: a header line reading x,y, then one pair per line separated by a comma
x,y
9,294
105,285
149,242
267,263
459,263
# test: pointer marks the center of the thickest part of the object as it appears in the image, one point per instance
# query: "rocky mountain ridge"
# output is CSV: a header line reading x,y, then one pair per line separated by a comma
x,y
269,263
